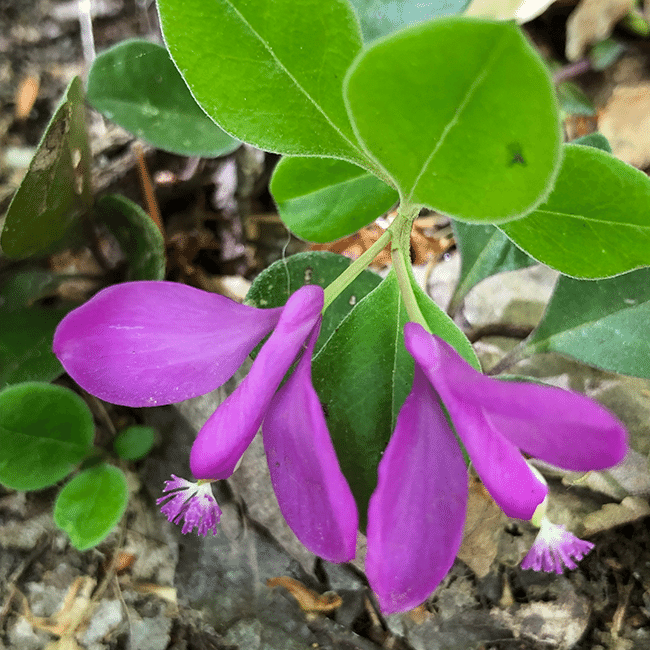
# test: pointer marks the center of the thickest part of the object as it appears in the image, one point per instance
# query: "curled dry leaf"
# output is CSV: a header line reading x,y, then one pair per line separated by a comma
x,y
592,21
309,600
625,122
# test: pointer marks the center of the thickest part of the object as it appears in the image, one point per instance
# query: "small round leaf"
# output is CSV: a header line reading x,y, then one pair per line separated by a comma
x,y
90,505
45,432
134,442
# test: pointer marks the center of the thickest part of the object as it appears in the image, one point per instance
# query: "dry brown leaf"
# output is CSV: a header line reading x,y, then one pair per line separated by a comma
x,y
625,122
25,97
309,600
616,514
483,526
591,22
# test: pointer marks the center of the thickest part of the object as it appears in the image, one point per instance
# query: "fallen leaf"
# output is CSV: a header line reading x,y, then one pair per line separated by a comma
x,y
309,600
625,122
616,514
591,22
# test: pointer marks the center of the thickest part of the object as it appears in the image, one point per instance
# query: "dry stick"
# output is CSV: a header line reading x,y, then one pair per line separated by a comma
x,y
148,190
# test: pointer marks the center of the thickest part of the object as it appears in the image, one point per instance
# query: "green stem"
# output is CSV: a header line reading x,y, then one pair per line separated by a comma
x,y
400,253
359,265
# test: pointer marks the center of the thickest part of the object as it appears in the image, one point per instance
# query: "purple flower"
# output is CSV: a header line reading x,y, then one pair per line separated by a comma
x,y
150,343
192,503
555,549
416,514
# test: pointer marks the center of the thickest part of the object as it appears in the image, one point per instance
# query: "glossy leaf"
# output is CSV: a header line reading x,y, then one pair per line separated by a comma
x,y
322,199
136,84
274,285
382,17
595,223
134,442
43,215
45,431
140,239
605,323
367,349
462,116
24,286
26,344
484,251
269,73
91,504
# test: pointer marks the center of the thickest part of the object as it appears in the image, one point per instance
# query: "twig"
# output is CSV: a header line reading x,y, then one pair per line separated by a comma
x,y
148,190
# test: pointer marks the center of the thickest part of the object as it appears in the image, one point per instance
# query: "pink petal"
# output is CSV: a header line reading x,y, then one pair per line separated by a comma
x,y
417,511
312,492
494,418
150,343
225,436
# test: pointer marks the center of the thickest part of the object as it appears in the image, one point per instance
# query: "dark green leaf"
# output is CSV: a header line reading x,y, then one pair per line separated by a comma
x,y
138,236
323,199
45,431
23,287
26,344
136,85
273,286
462,116
573,101
269,73
595,223
605,323
44,213
91,504
596,140
382,17
135,442
484,251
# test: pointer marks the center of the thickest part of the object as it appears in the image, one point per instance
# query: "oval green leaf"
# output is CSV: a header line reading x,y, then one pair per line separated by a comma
x,y
43,215
269,73
605,323
137,85
461,114
595,223
484,251
45,432
26,345
91,504
140,239
134,443
367,350
323,199
273,286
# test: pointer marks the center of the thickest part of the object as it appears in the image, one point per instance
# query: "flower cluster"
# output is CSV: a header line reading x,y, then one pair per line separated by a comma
x,y
147,343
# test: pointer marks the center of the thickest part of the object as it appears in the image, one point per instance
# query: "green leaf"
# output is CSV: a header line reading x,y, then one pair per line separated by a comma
x,y
484,251
573,101
363,375
136,85
605,323
273,286
269,73
596,140
323,199
91,504
141,241
595,223
134,442
382,17
461,114
22,287
44,213
26,344
45,432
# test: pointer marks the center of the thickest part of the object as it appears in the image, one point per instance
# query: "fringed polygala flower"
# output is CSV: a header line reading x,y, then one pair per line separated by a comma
x,y
416,514
152,343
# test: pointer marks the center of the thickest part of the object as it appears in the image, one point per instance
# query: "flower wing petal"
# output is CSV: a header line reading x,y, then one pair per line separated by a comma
x,y
314,496
558,426
148,343
225,436
416,513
